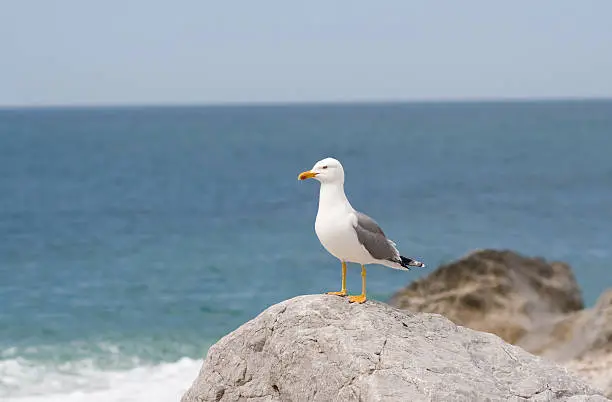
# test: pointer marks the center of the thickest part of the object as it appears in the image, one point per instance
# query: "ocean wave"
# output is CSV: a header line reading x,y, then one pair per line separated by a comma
x,y
102,371
23,380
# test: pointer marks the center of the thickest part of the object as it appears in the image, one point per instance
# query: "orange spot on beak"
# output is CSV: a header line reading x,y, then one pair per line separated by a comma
x,y
307,175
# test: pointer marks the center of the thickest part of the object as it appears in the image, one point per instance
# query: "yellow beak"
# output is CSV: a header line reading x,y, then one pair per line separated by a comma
x,y
307,175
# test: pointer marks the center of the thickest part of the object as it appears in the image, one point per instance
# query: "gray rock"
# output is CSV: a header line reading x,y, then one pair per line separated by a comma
x,y
321,348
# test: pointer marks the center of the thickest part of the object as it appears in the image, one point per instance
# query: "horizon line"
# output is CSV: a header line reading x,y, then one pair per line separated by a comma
x,y
339,102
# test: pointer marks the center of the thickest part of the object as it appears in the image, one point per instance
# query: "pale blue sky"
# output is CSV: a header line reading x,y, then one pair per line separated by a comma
x,y
60,52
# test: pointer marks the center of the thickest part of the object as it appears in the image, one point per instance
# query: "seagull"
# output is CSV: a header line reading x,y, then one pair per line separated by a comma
x,y
347,234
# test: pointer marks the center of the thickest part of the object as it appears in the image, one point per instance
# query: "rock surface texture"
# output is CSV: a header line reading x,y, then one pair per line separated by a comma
x,y
526,301
321,348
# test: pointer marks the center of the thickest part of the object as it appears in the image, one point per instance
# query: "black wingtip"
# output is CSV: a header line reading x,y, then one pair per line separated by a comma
x,y
409,262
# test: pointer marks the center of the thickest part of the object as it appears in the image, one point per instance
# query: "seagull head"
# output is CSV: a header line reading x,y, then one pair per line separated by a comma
x,y
328,170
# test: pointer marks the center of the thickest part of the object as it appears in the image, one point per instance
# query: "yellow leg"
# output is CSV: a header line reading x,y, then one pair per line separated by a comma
x,y
362,297
343,291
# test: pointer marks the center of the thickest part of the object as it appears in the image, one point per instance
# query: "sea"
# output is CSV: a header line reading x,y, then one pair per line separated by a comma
x,y
133,238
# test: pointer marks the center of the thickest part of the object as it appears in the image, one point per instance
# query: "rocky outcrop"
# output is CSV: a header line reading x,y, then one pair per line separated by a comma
x,y
321,348
596,334
590,345
526,301
594,369
500,292
578,335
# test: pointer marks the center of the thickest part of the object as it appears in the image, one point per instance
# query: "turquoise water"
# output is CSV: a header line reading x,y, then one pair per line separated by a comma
x,y
133,238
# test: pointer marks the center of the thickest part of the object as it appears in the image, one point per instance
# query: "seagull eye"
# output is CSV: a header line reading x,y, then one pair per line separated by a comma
x,y
324,167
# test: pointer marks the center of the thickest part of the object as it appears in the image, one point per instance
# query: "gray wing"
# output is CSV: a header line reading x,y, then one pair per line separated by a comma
x,y
372,237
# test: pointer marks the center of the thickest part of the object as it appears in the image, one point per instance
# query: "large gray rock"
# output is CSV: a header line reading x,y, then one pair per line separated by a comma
x,y
321,348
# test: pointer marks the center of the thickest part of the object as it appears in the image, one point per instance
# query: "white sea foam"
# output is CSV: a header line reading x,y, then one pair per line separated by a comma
x,y
22,380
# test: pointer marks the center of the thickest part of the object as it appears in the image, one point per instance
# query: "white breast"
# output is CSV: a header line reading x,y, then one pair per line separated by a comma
x,y
335,230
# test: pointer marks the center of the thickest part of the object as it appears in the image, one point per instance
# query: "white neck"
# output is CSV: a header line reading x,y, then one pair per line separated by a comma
x,y
331,196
